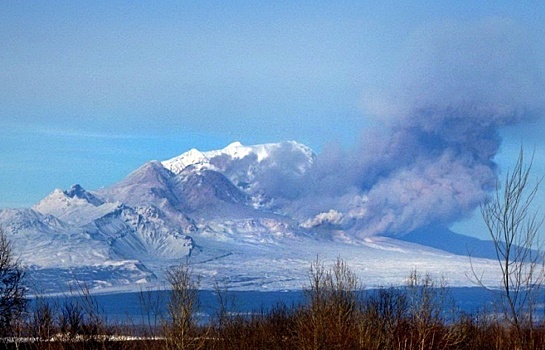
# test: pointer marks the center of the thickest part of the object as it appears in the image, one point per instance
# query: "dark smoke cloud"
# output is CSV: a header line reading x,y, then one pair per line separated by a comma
x,y
434,162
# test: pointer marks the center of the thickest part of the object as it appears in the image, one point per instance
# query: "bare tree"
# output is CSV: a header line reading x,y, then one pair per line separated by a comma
x,y
182,329
513,225
12,290
330,318
150,305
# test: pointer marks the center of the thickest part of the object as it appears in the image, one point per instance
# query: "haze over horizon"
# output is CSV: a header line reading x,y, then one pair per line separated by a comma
x,y
92,91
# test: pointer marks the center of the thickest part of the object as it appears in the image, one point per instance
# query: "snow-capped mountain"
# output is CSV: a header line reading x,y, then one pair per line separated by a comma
x,y
252,169
227,212
75,206
256,159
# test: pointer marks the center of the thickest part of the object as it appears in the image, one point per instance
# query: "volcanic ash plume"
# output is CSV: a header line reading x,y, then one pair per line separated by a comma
x,y
434,164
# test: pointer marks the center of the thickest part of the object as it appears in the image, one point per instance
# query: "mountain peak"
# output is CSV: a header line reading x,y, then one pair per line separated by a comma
x,y
235,144
76,191
192,157
235,151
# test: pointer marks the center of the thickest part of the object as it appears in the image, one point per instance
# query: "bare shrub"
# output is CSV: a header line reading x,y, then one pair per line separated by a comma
x,y
43,322
151,311
384,318
421,315
432,314
266,329
329,318
80,316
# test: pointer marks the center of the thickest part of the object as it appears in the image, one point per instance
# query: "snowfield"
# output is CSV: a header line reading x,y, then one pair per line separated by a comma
x,y
226,214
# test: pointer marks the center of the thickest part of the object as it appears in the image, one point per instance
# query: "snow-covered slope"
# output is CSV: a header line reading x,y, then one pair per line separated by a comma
x,y
221,159
253,169
57,254
142,233
224,211
75,206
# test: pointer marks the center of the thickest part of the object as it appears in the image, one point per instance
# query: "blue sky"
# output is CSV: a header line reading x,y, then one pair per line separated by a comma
x,y
89,91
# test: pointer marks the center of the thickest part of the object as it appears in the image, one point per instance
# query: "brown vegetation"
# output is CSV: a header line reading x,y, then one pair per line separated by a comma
x,y
335,314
